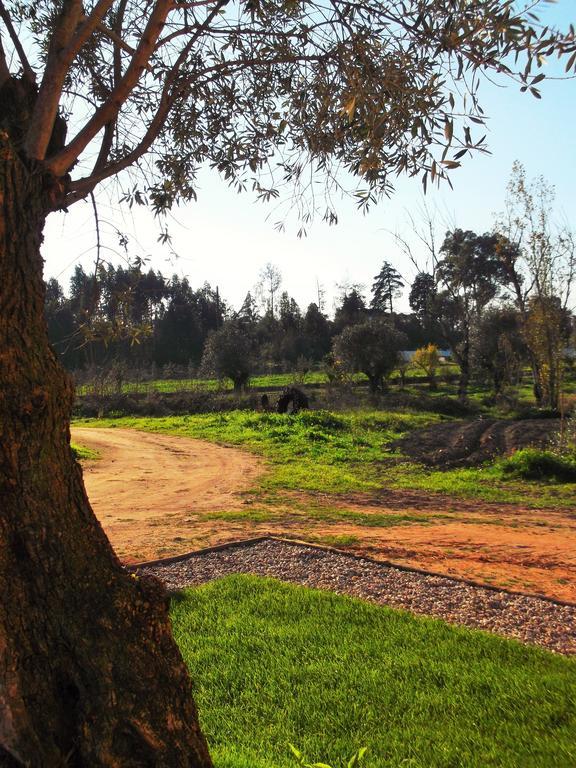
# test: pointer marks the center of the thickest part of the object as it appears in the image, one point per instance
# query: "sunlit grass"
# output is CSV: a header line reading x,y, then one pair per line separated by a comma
x,y
313,450
260,381
81,453
274,663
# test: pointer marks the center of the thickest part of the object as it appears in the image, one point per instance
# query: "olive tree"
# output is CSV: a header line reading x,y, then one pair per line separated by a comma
x,y
228,355
499,351
372,348
270,95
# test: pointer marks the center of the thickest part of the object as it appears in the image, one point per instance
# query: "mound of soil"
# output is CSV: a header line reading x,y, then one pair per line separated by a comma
x,y
470,443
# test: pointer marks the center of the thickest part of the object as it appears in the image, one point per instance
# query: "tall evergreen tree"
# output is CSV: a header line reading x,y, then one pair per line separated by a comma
x,y
386,287
351,310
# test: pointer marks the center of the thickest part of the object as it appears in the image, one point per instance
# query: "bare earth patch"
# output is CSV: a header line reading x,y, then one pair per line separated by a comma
x,y
158,496
148,490
469,443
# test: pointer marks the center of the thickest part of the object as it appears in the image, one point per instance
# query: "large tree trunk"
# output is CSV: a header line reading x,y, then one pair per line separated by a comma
x,y
89,672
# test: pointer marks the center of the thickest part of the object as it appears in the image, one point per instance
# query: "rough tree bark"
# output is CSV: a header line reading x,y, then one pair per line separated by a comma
x,y
89,672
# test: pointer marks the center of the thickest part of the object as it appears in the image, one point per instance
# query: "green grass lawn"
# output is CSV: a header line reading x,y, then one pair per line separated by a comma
x,y
274,663
211,385
345,452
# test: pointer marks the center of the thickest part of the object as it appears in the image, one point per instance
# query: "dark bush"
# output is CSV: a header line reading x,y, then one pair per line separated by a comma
x,y
533,464
161,404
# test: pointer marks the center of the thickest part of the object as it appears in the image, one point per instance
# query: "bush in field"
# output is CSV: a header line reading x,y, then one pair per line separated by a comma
x,y
565,440
373,348
428,360
228,355
533,464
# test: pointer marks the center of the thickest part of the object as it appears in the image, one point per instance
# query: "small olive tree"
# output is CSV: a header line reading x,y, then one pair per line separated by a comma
x,y
372,348
499,350
228,355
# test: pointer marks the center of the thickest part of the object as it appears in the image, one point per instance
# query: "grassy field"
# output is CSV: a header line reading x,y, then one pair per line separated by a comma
x,y
260,381
347,452
274,663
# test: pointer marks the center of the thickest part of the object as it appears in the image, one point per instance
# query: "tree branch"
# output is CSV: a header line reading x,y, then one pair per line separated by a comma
x,y
108,137
62,162
72,31
4,71
105,146
82,187
29,73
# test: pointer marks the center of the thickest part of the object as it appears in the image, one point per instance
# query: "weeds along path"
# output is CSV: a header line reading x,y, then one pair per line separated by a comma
x,y
147,489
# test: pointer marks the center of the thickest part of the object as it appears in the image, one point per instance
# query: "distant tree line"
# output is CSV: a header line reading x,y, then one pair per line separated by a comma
x,y
132,318
500,301
141,318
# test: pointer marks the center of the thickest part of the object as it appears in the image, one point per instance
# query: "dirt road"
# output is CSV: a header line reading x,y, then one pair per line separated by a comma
x,y
147,490
158,496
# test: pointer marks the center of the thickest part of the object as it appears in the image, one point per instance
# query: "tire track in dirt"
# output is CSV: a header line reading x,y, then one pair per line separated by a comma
x,y
147,489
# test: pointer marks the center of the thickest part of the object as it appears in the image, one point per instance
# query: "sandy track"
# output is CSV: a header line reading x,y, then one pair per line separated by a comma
x,y
146,489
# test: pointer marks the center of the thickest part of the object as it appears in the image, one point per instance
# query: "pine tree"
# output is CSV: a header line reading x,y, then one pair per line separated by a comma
x,y
386,287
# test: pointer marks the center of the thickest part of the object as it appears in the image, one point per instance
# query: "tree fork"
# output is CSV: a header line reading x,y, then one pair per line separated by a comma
x,y
89,673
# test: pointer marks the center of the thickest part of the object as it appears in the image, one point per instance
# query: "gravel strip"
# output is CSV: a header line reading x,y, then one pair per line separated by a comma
x,y
529,619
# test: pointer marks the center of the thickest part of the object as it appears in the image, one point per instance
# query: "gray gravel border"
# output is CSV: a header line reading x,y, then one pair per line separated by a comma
x,y
530,619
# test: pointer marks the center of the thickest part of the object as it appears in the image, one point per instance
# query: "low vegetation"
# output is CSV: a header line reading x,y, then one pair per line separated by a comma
x,y
275,664
349,452
82,453
532,464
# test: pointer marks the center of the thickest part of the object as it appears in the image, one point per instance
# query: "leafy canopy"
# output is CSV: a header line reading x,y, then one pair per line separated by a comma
x,y
270,94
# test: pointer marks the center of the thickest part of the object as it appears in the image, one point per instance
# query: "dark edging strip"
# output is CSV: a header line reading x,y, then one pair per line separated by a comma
x,y
240,543
199,552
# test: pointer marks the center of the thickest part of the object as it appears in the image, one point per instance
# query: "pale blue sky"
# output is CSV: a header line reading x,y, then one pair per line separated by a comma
x,y
225,238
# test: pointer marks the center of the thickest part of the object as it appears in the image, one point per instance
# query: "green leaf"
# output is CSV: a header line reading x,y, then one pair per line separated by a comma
x,y
356,757
296,752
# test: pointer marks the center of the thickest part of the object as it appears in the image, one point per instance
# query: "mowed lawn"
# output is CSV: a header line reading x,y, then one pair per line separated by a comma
x,y
274,663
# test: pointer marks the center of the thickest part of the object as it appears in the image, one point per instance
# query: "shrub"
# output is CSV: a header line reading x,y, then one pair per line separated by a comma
x,y
428,359
534,464
228,354
372,347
